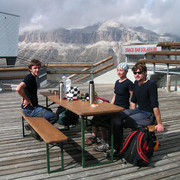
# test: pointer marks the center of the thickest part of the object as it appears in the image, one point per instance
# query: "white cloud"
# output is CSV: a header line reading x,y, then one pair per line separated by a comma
x,y
160,16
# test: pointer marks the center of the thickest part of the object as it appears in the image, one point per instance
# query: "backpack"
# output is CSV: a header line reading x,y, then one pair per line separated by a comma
x,y
139,146
66,117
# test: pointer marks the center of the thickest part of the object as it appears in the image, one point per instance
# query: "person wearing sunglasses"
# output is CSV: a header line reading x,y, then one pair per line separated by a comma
x,y
144,107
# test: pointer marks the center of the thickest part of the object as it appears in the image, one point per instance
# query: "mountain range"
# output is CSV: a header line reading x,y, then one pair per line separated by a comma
x,y
89,44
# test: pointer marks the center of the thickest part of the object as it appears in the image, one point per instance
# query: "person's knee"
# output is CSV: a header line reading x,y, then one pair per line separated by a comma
x,y
117,122
129,123
124,123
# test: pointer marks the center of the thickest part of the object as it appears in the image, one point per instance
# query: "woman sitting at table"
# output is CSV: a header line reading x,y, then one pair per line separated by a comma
x,y
122,93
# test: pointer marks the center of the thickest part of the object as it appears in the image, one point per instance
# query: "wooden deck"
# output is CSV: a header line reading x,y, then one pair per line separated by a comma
x,y
25,158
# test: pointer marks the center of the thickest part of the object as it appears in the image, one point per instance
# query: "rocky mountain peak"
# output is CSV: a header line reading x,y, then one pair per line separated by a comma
x,y
107,31
88,44
110,25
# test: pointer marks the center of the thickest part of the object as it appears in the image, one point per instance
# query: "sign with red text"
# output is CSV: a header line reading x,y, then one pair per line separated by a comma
x,y
140,49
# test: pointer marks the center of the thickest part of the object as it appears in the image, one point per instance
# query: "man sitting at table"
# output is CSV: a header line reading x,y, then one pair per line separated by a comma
x,y
144,107
27,89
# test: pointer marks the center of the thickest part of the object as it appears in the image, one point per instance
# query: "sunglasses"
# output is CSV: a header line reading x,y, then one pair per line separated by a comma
x,y
140,72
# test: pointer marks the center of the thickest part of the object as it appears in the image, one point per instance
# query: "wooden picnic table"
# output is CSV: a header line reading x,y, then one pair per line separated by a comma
x,y
84,109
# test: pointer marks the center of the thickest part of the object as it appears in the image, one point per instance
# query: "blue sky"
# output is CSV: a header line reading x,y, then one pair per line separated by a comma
x,y
160,16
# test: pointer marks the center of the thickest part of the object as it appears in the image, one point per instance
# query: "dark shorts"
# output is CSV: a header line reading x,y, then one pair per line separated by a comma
x,y
142,118
102,121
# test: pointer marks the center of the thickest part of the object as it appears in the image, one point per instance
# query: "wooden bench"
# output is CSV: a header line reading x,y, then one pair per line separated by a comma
x,y
49,133
151,128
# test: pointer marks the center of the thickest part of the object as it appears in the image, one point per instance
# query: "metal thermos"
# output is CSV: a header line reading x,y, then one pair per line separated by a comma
x,y
61,88
91,92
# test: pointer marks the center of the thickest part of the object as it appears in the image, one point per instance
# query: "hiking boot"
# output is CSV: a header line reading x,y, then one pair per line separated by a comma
x,y
103,147
34,134
117,154
27,127
91,140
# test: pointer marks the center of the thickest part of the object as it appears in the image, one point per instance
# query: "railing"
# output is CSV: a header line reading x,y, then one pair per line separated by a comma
x,y
85,70
161,61
88,69
169,45
168,61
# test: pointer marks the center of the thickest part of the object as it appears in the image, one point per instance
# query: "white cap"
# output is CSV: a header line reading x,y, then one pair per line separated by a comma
x,y
123,65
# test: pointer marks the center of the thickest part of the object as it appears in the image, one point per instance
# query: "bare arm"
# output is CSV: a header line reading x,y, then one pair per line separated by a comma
x,y
20,90
131,92
159,127
132,105
113,99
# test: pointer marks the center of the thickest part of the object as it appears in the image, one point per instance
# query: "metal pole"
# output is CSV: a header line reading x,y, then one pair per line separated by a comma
x,y
62,156
168,79
47,158
83,141
23,127
112,145
154,68
92,72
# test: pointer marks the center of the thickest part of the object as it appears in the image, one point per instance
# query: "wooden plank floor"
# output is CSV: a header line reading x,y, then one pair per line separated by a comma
x,y
25,158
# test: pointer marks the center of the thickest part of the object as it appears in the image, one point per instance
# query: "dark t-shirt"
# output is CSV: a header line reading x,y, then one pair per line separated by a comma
x,y
31,90
121,90
145,96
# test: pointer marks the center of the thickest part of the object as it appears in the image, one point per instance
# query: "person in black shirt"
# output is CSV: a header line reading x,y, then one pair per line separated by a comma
x,y
144,106
27,89
122,92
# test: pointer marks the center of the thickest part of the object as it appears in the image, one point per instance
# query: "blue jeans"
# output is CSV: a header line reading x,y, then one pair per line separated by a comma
x,y
39,111
130,118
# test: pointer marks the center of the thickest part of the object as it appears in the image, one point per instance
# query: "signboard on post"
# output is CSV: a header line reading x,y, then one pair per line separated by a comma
x,y
140,49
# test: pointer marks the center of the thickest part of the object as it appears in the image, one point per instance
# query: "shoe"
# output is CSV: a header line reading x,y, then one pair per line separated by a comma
x,y
91,140
103,147
34,134
40,139
27,127
117,153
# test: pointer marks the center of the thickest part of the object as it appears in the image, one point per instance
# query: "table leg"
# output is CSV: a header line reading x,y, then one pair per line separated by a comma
x,y
83,141
112,137
46,102
47,105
